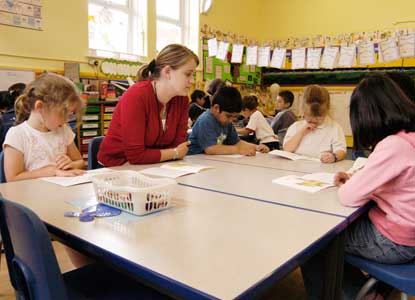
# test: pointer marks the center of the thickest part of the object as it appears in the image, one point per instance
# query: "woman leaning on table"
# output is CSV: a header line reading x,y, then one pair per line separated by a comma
x,y
149,124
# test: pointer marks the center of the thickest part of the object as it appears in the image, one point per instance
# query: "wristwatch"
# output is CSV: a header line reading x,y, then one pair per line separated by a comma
x,y
335,157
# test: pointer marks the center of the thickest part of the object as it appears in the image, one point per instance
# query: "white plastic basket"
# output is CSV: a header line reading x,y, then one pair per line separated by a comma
x,y
133,192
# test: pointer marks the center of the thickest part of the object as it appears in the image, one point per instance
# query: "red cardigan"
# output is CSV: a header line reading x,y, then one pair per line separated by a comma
x,y
136,134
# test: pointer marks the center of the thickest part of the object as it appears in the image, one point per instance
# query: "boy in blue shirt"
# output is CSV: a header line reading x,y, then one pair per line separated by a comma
x,y
213,132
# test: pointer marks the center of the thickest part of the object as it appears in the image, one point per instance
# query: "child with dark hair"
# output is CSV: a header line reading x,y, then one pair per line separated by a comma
x,y
317,135
214,133
257,123
8,117
382,118
196,107
405,82
211,89
284,117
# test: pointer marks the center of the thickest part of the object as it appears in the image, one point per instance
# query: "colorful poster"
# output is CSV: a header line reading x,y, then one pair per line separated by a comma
x,y
21,13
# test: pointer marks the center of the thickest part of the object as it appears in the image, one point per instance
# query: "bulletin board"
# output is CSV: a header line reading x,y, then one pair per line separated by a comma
x,y
217,68
21,13
9,77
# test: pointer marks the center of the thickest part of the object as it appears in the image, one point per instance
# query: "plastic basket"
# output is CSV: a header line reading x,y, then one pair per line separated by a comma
x,y
133,192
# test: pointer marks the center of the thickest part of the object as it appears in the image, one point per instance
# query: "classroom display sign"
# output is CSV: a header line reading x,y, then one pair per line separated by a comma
x,y
219,66
21,13
119,68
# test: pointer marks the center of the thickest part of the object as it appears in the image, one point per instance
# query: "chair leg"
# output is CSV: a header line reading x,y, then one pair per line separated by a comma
x,y
404,296
366,288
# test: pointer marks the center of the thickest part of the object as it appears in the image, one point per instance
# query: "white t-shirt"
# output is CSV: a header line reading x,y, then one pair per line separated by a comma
x,y
39,149
263,130
328,136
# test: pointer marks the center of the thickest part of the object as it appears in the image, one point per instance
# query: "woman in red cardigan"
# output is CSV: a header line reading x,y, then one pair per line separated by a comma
x,y
149,124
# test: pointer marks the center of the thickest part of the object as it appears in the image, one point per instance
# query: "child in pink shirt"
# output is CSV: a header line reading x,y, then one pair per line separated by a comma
x,y
383,119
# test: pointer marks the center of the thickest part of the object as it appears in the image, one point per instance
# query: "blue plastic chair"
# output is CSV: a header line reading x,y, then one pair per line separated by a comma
x,y
34,270
93,149
401,277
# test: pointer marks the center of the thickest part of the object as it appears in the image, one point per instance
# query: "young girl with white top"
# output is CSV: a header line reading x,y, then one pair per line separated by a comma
x,y
317,135
42,144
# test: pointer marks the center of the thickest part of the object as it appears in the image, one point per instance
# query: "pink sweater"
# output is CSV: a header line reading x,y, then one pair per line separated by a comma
x,y
389,179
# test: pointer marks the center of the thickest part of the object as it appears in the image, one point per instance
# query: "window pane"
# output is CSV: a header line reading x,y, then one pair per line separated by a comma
x,y
108,29
168,8
118,2
167,34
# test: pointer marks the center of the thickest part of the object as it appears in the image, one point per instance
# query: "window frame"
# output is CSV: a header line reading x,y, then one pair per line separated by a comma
x,y
135,34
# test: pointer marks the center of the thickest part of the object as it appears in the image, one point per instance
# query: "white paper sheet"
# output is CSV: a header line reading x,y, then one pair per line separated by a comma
x,y
313,58
310,183
407,45
70,181
328,61
174,170
298,58
251,55
359,163
278,58
263,56
388,50
347,56
237,52
292,156
366,53
212,47
222,50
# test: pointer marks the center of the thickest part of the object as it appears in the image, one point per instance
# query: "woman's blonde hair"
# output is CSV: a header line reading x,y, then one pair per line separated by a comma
x,y
53,90
316,101
173,55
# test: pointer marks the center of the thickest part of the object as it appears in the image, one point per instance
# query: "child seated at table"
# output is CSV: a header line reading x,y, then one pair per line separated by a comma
x,y
284,117
317,135
257,123
214,133
382,118
42,144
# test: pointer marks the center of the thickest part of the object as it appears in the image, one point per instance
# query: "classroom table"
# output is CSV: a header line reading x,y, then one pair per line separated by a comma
x,y
268,161
210,245
255,183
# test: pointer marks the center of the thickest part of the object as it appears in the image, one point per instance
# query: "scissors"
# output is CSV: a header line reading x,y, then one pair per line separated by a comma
x,y
99,210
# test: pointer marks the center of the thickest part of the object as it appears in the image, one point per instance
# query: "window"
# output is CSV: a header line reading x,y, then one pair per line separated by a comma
x,y
177,22
117,28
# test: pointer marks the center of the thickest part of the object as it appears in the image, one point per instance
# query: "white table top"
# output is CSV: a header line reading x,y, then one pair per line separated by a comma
x,y
274,162
217,244
255,183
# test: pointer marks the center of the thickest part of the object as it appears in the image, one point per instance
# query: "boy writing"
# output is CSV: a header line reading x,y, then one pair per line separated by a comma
x,y
213,132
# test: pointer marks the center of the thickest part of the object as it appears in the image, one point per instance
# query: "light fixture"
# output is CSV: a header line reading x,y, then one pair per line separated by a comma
x,y
205,5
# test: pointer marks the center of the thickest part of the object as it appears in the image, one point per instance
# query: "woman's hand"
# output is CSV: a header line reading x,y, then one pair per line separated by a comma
x,y
341,177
